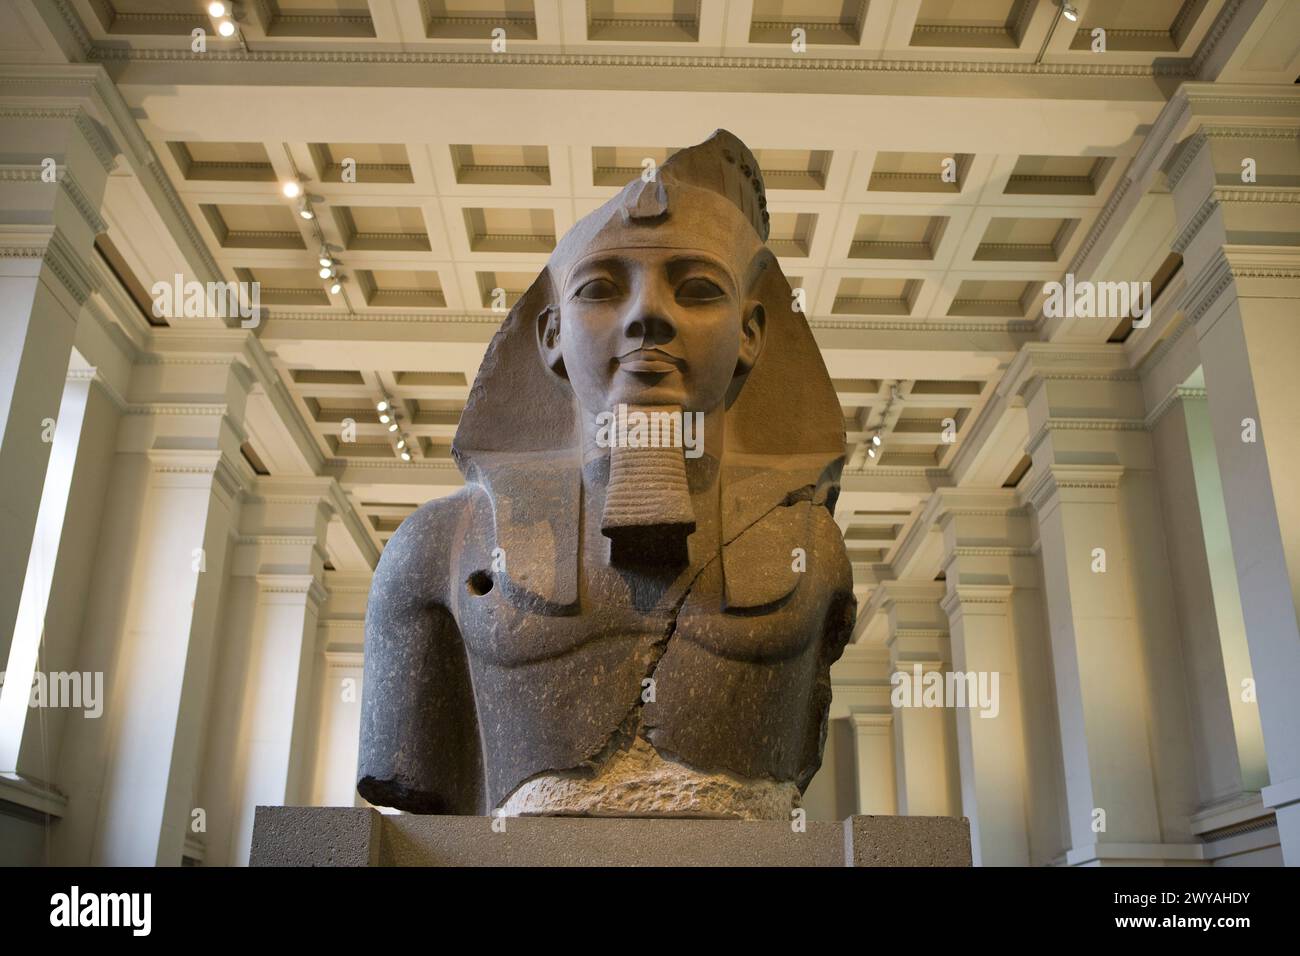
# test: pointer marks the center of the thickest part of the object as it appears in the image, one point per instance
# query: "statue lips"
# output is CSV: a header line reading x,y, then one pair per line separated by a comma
x,y
645,361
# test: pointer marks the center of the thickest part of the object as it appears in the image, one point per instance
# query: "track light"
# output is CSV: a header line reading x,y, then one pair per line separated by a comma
x,y
1071,12
326,270
401,443
871,452
406,456
304,209
875,440
291,189
336,286
384,419
325,258
226,28
382,405
216,9
392,427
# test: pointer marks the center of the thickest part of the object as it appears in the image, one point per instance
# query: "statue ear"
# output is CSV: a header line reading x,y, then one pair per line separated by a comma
x,y
753,332
548,340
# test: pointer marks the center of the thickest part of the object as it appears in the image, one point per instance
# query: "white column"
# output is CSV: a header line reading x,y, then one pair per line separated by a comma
x,y
1117,655
30,626
153,610
1224,723
990,739
47,231
998,644
1244,283
875,752
161,677
925,747
290,518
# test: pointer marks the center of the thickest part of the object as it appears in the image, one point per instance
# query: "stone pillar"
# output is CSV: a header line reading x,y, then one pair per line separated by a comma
x,y
23,746
984,540
925,749
1224,724
282,546
47,233
875,752
1116,654
153,611
1238,242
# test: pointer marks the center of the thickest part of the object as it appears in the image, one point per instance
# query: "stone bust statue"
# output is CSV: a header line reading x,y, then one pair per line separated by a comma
x,y
632,606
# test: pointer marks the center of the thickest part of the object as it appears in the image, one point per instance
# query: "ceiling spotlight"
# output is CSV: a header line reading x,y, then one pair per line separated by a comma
x,y
871,453
216,9
384,419
325,258
382,405
291,189
226,28
406,456
392,427
1071,12
401,443
875,439
336,286
304,209
326,270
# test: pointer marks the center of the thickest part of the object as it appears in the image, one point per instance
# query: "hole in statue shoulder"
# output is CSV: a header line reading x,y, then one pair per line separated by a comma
x,y
479,583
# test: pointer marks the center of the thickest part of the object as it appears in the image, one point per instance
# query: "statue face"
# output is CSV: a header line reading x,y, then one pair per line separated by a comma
x,y
652,327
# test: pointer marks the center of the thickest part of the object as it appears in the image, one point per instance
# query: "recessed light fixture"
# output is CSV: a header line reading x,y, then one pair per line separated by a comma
x,y
1071,12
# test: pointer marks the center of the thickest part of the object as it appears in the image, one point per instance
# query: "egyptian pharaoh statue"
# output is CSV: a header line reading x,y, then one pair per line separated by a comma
x,y
632,605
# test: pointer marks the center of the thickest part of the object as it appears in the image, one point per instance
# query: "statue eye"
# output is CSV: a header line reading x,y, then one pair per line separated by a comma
x,y
699,289
596,290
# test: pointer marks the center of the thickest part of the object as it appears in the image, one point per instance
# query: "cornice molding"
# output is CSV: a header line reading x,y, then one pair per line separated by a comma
x,y
89,212
51,246
1056,478
640,61
1218,29
976,599
865,723
101,143
1176,395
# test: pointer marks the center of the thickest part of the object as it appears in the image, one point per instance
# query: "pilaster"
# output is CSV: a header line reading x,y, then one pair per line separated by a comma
x,y
1239,244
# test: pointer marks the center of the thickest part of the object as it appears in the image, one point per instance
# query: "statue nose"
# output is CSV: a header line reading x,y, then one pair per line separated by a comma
x,y
650,320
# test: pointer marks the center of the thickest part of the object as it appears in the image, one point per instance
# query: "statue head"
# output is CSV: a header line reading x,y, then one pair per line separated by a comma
x,y
665,296
653,297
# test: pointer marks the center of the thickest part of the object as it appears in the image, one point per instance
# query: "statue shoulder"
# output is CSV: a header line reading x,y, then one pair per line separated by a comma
x,y
417,559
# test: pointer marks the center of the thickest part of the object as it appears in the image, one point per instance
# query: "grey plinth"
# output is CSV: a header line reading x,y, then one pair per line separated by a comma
x,y
348,836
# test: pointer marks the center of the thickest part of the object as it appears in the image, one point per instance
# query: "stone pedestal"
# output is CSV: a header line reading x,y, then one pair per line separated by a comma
x,y
350,836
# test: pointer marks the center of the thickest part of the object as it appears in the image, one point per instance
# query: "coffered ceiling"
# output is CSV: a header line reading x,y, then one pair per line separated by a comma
x,y
929,164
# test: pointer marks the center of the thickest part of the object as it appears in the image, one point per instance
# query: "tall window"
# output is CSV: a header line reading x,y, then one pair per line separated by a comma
x,y
25,657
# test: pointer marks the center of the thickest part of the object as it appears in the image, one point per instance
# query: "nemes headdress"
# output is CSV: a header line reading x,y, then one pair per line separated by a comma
x,y
784,432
